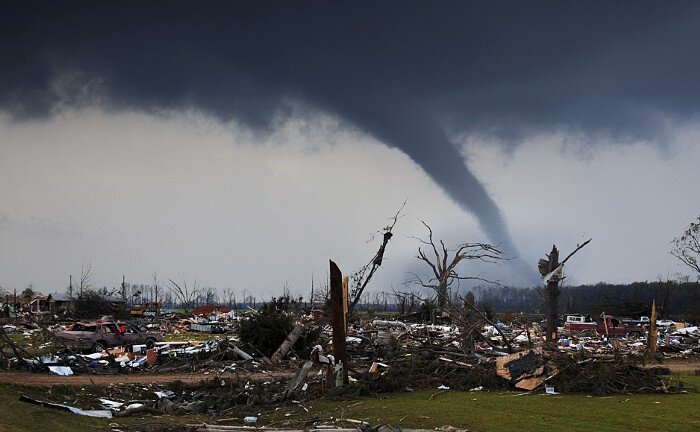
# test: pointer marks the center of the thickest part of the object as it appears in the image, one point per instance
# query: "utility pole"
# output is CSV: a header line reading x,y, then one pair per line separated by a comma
x,y
70,286
312,290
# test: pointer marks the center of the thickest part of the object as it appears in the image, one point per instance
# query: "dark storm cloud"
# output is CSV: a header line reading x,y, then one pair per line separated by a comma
x,y
405,72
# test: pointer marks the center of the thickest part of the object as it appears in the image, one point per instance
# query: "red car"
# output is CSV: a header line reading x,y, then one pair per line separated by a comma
x,y
609,326
98,336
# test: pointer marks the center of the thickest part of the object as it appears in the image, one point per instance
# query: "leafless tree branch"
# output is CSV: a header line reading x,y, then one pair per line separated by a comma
x,y
446,261
362,277
186,293
686,248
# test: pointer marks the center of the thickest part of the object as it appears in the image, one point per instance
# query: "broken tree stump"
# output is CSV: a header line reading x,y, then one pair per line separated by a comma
x,y
653,332
551,270
552,296
338,318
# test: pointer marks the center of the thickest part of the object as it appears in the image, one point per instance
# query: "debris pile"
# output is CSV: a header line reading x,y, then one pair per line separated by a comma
x,y
383,356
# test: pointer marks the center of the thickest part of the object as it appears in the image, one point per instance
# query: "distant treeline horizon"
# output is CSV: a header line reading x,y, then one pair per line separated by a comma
x,y
680,300
635,299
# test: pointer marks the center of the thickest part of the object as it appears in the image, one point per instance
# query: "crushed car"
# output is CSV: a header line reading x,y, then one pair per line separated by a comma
x,y
98,336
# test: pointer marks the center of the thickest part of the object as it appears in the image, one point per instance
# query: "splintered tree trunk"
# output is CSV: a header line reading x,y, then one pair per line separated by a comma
x,y
337,318
288,343
552,297
653,333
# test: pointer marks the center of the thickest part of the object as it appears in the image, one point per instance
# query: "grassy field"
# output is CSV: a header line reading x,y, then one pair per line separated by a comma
x,y
489,411
477,411
16,416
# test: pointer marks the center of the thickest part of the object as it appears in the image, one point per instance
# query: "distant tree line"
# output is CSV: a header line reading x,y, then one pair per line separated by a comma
x,y
673,299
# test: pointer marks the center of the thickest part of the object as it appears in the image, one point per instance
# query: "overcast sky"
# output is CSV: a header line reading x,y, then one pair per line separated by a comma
x,y
246,144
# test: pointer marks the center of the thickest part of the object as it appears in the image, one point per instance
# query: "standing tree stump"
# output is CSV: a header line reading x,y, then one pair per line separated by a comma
x,y
552,296
338,319
552,273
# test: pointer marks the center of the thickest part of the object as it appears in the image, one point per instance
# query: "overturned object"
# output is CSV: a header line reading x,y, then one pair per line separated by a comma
x,y
524,369
74,410
298,379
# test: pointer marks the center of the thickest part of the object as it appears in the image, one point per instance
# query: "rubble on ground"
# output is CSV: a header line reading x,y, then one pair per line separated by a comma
x,y
384,356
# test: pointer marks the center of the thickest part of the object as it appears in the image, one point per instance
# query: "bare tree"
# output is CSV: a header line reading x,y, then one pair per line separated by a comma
x,y
157,286
401,300
210,296
406,301
186,293
360,279
229,297
322,294
443,263
687,247
85,277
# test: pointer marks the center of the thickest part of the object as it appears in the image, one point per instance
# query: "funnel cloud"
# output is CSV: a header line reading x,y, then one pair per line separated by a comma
x,y
412,74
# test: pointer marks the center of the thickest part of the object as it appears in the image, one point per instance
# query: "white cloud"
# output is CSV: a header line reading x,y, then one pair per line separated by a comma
x,y
632,199
182,193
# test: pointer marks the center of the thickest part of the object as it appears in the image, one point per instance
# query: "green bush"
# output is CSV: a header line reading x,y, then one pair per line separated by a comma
x,y
266,330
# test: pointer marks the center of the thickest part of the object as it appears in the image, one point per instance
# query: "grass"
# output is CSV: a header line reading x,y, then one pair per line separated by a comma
x,y
16,416
30,343
32,340
477,411
21,416
191,336
494,411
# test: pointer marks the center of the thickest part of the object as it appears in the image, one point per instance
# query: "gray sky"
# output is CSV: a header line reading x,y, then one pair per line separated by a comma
x,y
245,145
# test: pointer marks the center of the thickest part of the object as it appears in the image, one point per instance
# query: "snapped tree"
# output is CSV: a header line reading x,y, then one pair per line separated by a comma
x,y
360,279
552,273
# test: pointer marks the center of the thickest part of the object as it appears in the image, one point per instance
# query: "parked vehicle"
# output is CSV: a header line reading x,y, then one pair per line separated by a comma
x,y
150,309
610,326
577,323
665,323
641,322
98,336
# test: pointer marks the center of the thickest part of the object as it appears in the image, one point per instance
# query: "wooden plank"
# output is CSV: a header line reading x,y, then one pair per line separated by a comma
x,y
529,383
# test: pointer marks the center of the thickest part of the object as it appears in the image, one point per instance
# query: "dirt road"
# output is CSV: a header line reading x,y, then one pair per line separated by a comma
x,y
47,380
680,365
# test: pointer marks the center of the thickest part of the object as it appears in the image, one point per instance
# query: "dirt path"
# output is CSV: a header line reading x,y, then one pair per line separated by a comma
x,y
680,365
47,380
